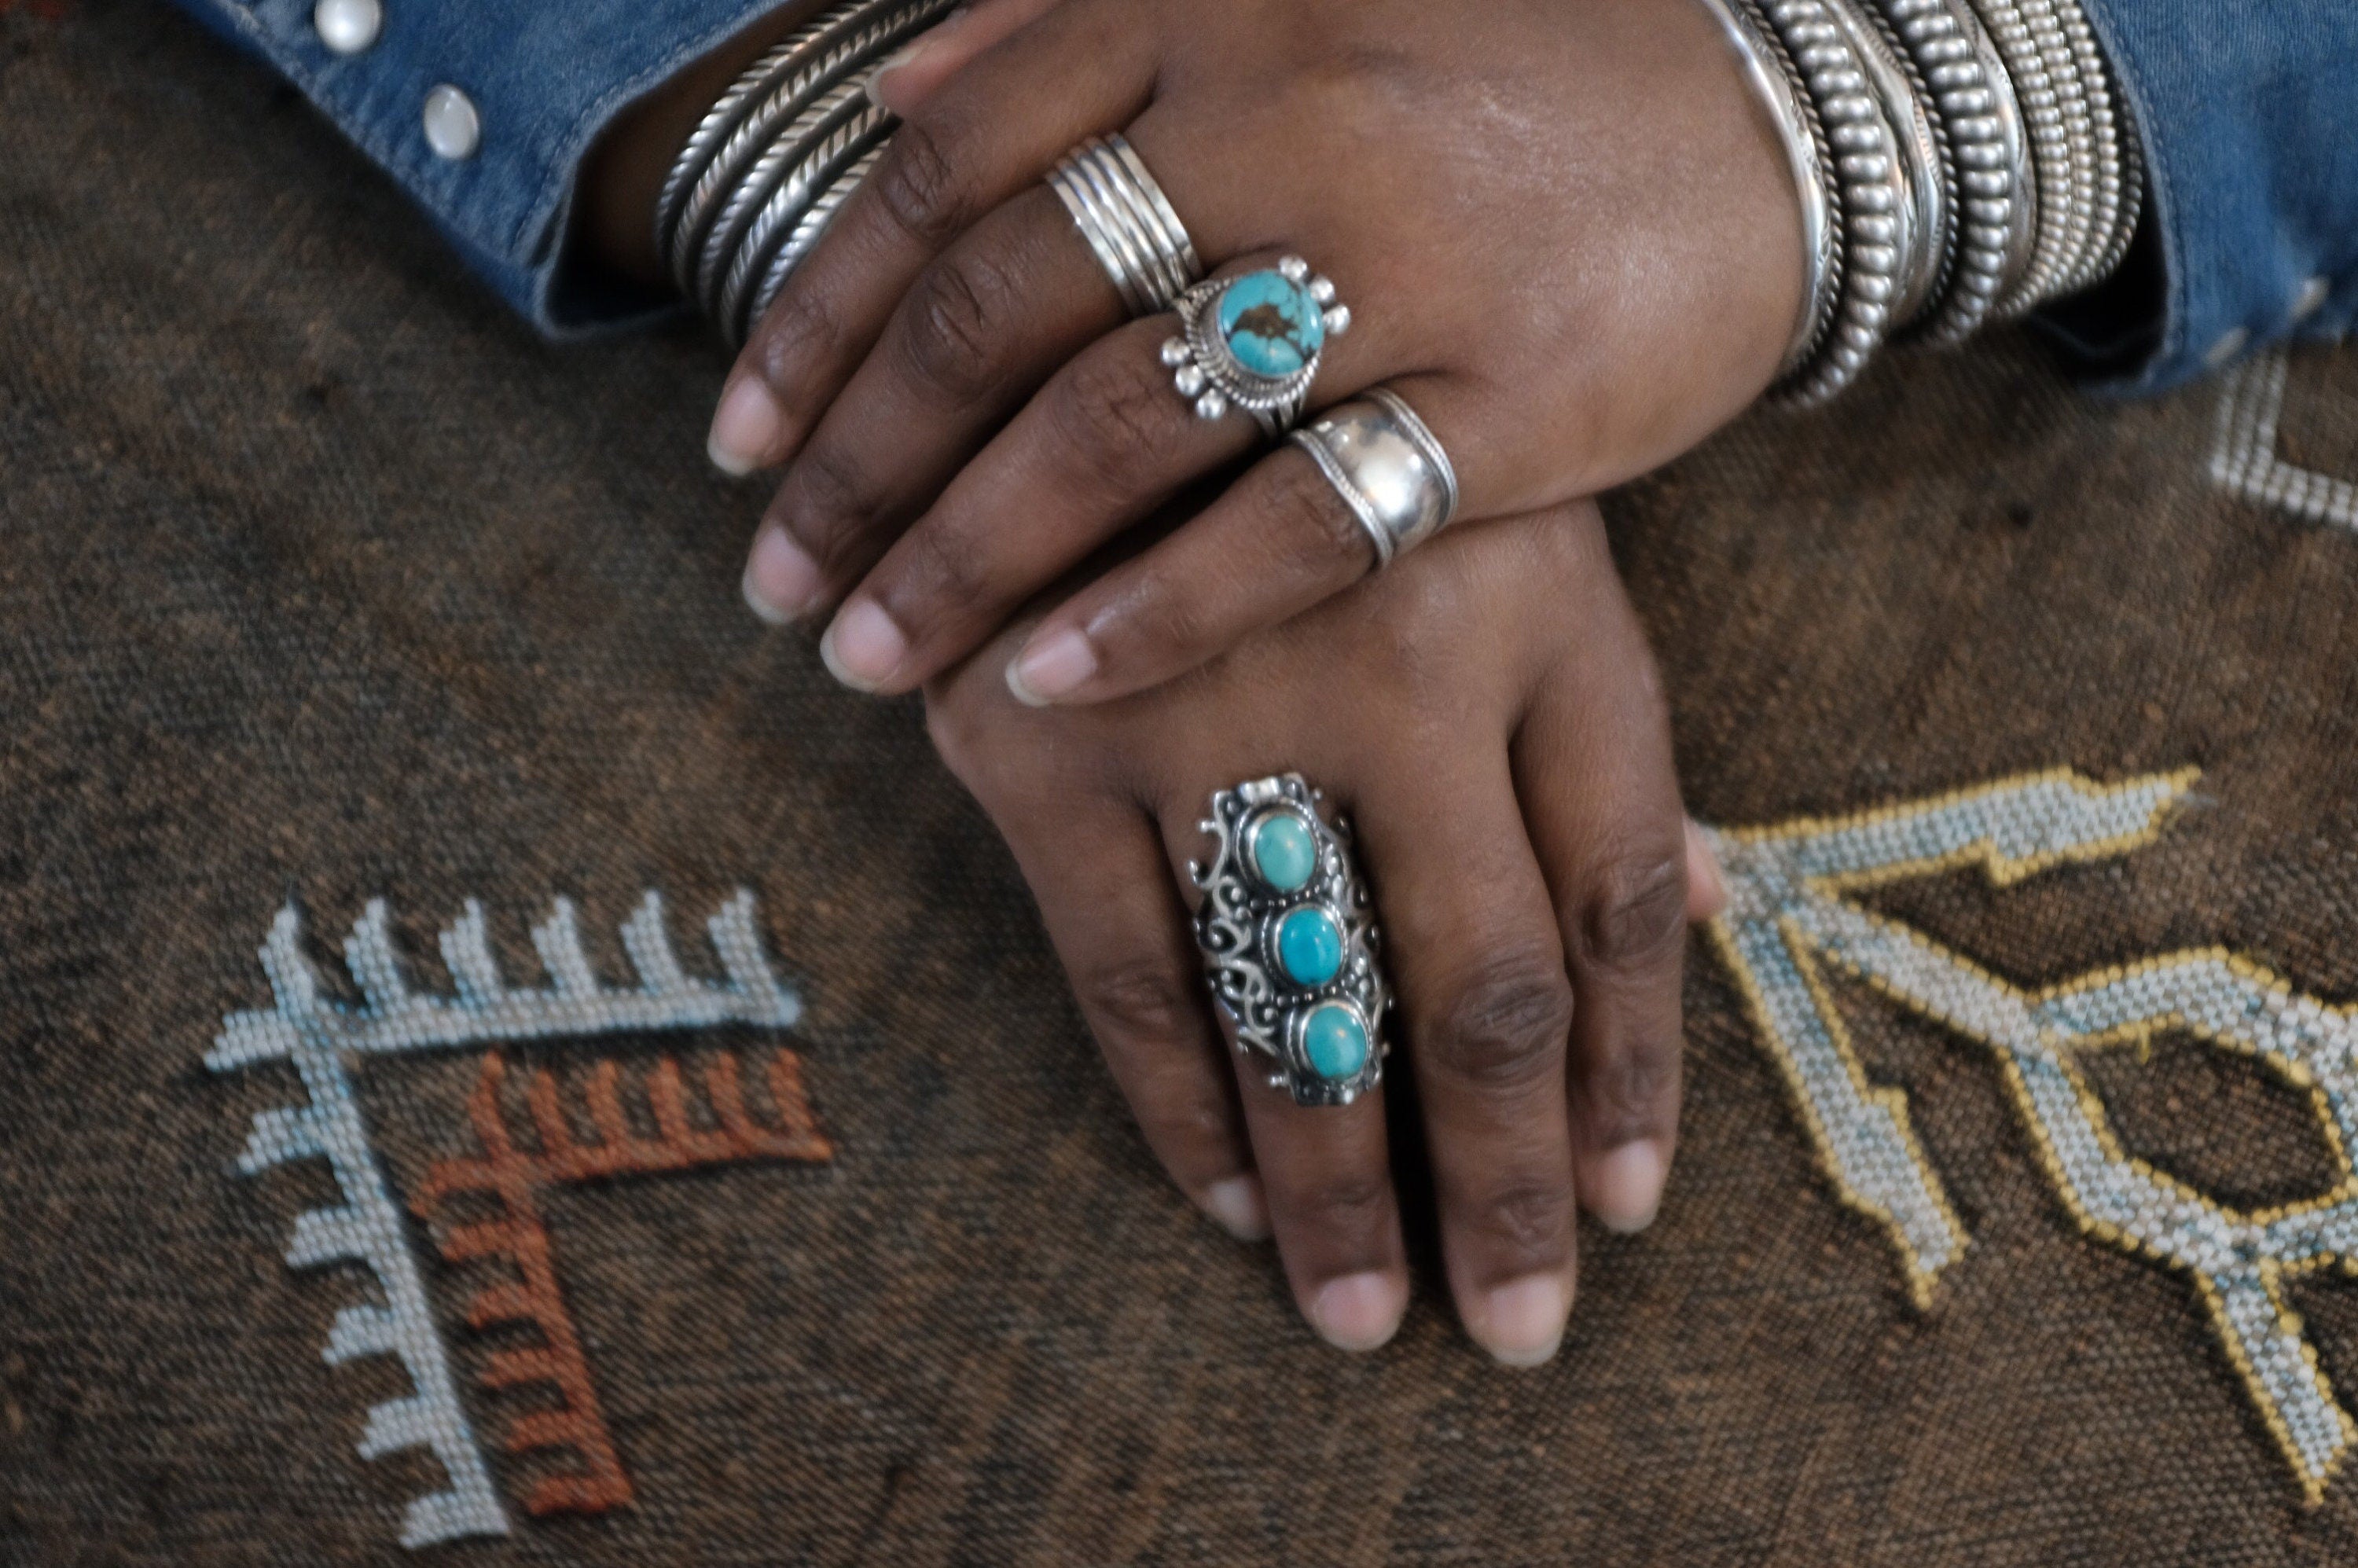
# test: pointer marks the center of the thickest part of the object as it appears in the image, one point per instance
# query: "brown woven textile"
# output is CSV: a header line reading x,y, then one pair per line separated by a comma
x,y
322,582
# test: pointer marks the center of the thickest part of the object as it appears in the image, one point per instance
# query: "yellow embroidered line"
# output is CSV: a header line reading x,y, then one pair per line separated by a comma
x,y
1787,916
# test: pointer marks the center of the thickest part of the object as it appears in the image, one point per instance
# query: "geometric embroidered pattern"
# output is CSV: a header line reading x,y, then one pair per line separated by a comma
x,y
324,1040
517,1235
2244,456
1788,921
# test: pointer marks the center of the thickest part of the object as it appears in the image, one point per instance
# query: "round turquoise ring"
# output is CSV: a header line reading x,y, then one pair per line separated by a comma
x,y
1253,343
1289,941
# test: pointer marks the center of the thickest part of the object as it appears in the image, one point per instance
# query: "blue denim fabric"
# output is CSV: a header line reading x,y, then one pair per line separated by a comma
x,y
546,77
2244,104
2247,107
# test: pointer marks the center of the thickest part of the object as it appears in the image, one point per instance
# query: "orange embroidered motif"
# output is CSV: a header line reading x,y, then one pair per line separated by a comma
x,y
519,1236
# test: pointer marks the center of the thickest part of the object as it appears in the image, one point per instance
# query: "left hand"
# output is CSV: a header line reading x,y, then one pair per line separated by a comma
x,y
1567,237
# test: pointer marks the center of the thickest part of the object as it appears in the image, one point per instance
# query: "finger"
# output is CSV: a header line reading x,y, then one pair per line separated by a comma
x,y
903,83
1593,765
1706,886
979,140
1280,540
1470,933
985,324
1326,1172
1119,925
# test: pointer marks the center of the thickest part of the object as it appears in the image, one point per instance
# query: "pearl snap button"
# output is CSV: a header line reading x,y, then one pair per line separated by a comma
x,y
348,27
2311,298
454,129
2231,343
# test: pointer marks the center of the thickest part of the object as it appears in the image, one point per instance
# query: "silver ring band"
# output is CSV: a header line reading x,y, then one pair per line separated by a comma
x,y
1389,469
1289,940
1130,226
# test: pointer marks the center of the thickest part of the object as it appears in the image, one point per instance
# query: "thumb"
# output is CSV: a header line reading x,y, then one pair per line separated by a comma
x,y
920,67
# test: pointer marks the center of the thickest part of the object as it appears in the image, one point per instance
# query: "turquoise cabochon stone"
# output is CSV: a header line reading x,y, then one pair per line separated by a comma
x,y
1335,1040
1282,851
1310,946
1270,324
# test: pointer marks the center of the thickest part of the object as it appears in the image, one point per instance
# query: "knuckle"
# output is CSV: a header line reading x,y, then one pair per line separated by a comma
x,y
1506,1027
827,500
947,573
1107,411
1314,529
922,188
1349,1199
1136,999
952,326
1635,914
1526,1218
800,329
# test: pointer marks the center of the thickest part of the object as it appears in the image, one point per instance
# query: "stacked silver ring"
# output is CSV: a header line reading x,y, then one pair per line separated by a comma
x,y
1387,468
1288,936
775,157
1130,226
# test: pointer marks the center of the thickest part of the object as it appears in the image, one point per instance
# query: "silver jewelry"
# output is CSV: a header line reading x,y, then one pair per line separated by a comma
x,y
782,145
1921,161
1974,102
1776,84
1866,166
1386,465
1254,342
1129,225
1289,941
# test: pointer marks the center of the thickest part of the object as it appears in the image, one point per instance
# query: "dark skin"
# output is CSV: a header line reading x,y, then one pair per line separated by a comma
x,y
1487,710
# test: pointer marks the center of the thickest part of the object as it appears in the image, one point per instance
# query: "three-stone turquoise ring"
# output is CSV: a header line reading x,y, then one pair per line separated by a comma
x,y
1253,343
1289,940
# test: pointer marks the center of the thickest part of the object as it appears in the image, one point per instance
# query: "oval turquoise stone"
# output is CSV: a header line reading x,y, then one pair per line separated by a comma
x,y
1270,324
1310,946
1284,855
1335,1040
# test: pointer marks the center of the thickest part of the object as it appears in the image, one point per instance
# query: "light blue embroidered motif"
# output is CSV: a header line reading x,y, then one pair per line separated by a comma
x,y
2244,457
1786,915
322,1039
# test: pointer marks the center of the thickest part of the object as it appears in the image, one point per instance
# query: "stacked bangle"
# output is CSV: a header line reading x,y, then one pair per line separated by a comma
x,y
1958,161
770,163
1976,158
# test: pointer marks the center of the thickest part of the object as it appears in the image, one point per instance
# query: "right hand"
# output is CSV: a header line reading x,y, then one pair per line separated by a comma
x,y
1489,716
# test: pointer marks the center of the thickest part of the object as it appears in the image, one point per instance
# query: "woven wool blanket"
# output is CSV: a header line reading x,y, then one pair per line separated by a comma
x,y
501,1061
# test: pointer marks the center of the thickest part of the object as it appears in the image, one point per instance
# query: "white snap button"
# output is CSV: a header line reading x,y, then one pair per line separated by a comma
x,y
2311,298
348,27
2231,343
454,129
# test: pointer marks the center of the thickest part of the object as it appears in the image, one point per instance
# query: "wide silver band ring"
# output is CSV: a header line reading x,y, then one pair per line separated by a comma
x,y
1389,469
1289,940
1130,226
1253,343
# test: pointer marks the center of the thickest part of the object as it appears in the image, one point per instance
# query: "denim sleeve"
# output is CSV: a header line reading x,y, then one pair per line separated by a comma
x,y
2245,108
546,76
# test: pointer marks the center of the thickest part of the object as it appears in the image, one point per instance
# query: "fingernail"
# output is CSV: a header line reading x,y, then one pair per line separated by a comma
x,y
1238,1207
1706,886
863,648
909,54
1358,1312
1625,1188
744,428
1523,1323
781,582
1052,666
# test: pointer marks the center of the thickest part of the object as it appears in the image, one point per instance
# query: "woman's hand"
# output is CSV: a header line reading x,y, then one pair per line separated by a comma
x,y
1568,238
1488,717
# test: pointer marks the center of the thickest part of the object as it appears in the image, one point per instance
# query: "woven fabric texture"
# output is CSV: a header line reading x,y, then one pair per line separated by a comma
x,y
324,583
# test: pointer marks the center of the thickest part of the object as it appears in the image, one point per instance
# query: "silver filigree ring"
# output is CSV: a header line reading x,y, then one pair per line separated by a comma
x,y
1254,341
1289,940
